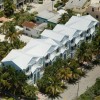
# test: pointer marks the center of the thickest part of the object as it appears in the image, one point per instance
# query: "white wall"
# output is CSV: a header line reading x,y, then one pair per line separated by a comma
x,y
31,32
95,1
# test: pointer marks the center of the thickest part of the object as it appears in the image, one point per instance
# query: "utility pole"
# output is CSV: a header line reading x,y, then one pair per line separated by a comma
x,y
78,89
52,4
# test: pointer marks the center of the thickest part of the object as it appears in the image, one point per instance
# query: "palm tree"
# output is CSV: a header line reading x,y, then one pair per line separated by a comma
x,y
4,28
54,88
84,52
64,18
12,34
5,48
30,91
64,74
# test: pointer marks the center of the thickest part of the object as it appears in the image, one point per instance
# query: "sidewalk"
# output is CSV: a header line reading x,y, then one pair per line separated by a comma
x,y
84,83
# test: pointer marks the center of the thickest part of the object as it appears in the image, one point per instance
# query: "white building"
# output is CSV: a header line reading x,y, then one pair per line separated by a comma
x,y
59,42
32,29
95,1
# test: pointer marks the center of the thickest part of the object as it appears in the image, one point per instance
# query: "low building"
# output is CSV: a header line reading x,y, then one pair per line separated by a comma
x,y
47,16
95,1
32,29
59,42
75,4
94,10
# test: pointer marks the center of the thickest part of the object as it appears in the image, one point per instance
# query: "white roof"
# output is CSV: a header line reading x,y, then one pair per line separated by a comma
x,y
19,58
81,23
40,50
47,14
61,11
35,42
62,29
52,35
55,19
89,17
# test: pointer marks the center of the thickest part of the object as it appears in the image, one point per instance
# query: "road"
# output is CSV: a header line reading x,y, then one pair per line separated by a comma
x,y
84,83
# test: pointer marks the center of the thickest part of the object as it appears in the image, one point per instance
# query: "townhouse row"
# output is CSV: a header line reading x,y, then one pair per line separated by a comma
x,y
62,42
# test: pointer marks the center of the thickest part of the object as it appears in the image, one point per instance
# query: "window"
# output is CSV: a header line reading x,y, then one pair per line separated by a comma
x,y
30,76
38,75
66,45
28,29
27,69
72,40
57,50
34,78
50,62
37,19
46,64
47,57
72,48
61,55
88,30
96,25
97,16
81,35
93,9
64,56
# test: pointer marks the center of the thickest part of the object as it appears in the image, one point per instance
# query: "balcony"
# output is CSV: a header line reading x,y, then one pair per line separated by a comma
x,y
82,38
72,44
47,60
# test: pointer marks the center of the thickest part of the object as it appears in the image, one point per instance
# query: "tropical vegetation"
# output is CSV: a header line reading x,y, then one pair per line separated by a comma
x,y
13,84
12,40
8,8
66,16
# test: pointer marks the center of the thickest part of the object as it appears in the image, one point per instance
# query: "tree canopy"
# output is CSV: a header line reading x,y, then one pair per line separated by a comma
x,y
13,84
8,8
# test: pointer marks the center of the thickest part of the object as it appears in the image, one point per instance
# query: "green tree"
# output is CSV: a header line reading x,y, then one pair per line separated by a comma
x,y
64,18
64,74
50,86
30,92
5,48
13,83
84,52
8,7
12,34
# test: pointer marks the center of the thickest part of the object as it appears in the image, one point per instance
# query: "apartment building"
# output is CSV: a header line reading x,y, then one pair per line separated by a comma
x,y
94,10
62,42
